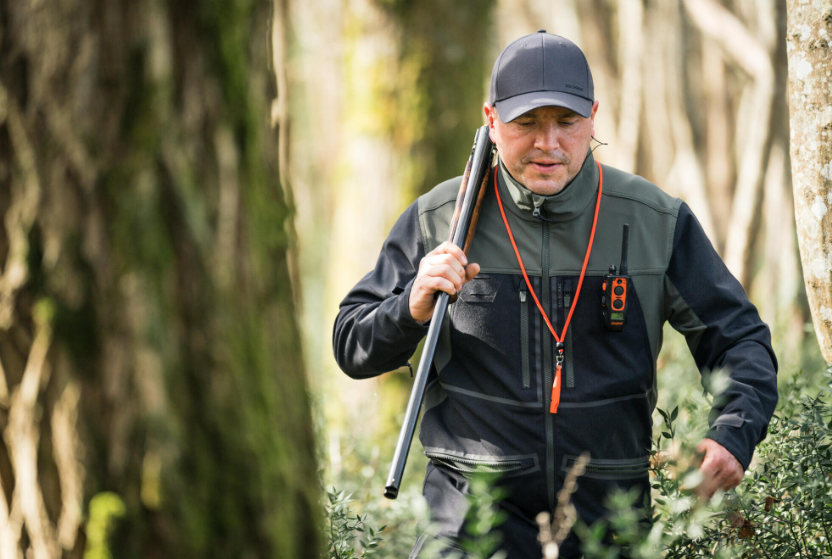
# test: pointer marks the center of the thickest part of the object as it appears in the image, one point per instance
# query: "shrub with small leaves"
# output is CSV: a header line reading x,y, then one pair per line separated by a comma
x,y
483,518
783,509
786,507
481,536
343,527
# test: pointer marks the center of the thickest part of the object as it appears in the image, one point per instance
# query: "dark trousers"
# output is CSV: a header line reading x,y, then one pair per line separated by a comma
x,y
446,492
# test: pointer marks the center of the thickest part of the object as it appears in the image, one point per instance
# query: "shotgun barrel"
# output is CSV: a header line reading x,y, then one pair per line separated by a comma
x,y
461,231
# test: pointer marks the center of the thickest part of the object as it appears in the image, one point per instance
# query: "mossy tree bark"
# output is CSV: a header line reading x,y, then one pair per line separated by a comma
x,y
810,103
148,339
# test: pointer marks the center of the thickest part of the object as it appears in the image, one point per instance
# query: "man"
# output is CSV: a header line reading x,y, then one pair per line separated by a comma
x,y
528,373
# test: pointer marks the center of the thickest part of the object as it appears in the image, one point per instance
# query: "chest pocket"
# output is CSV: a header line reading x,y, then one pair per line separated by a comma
x,y
485,337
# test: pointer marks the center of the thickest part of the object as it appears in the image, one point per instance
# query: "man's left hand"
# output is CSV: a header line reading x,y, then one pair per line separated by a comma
x,y
720,469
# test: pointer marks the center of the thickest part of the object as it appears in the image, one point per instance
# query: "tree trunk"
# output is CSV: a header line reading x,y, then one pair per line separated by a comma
x,y
148,343
448,43
810,102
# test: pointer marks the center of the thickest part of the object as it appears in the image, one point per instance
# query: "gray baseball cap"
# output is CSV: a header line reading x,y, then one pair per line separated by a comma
x,y
539,70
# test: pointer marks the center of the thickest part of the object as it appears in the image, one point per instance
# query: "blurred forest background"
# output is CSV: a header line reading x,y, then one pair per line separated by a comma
x,y
190,188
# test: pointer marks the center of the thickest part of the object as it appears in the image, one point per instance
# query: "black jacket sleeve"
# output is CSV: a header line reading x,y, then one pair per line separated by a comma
x,y
374,331
724,331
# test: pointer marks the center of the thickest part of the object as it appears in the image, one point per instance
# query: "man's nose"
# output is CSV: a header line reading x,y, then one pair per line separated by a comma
x,y
547,137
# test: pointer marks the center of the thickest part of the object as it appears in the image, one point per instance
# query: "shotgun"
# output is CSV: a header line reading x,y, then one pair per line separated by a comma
x,y
461,232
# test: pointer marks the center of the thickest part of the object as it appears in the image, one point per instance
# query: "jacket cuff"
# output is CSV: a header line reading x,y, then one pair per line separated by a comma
x,y
403,317
734,441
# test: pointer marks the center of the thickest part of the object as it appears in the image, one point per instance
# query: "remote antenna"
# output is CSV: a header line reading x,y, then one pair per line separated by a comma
x,y
624,243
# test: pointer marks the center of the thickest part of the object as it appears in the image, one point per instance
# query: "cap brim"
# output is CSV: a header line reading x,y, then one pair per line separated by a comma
x,y
513,107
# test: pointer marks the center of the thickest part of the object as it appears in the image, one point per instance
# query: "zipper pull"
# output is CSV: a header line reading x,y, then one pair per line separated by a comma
x,y
553,407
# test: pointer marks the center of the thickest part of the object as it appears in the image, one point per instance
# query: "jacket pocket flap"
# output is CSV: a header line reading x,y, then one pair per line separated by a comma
x,y
481,289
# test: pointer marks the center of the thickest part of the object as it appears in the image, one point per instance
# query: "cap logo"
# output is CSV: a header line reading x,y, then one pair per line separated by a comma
x,y
570,86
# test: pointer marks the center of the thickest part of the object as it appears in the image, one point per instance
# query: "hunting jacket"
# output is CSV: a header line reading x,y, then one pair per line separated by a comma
x,y
487,401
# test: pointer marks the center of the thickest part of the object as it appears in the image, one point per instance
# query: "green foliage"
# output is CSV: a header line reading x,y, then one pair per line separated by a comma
x,y
105,509
481,536
787,503
677,523
782,509
343,528
484,517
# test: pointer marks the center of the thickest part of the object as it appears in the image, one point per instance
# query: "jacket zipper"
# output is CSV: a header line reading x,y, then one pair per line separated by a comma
x,y
524,336
624,469
548,372
567,302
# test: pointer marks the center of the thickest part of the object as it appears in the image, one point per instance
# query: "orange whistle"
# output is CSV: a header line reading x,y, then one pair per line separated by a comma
x,y
553,407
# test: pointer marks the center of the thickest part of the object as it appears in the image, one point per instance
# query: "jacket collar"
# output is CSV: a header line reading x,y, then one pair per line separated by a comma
x,y
567,204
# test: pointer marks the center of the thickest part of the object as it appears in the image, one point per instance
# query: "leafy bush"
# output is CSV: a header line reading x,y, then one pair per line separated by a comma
x,y
783,509
343,528
786,506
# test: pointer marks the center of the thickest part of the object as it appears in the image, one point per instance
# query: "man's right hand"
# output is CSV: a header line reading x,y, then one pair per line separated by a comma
x,y
445,269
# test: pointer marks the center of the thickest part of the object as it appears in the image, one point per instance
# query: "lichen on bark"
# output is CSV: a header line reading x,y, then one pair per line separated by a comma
x,y
810,102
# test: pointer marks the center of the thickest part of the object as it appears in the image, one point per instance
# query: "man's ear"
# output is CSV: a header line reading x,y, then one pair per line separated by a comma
x,y
488,110
490,116
592,116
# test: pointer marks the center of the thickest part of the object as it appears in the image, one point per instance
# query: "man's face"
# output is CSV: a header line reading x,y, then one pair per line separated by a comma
x,y
544,148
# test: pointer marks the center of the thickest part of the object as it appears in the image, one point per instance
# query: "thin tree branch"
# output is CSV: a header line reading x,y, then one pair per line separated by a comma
x,y
10,528
70,473
22,435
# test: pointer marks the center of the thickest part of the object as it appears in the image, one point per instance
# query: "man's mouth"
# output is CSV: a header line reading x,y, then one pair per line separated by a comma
x,y
545,167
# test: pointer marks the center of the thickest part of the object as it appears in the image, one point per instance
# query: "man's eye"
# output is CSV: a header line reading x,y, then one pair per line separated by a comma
x,y
525,123
567,123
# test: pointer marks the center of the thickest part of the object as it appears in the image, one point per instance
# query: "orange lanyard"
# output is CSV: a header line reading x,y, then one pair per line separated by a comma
x,y
553,408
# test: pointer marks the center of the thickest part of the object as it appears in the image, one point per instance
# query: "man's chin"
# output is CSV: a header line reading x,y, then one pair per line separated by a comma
x,y
545,187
